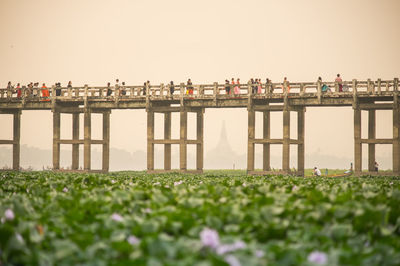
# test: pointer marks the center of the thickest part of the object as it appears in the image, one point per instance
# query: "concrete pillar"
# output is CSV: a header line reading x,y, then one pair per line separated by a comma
x,y
371,135
300,138
167,136
87,139
200,137
56,139
16,139
286,141
150,140
396,141
106,143
357,141
183,138
266,135
75,136
251,135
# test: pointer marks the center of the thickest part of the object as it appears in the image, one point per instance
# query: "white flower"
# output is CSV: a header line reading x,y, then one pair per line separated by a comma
x,y
113,181
178,183
130,183
156,183
116,217
147,210
209,238
317,257
65,190
166,186
232,260
133,240
259,253
9,214
222,249
295,188
391,183
201,182
3,220
19,238
244,185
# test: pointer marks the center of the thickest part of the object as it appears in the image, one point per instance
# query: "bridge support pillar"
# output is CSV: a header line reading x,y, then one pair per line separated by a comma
x,y
182,142
106,141
396,140
75,137
286,141
150,140
56,140
16,139
251,137
87,140
357,142
266,140
300,139
371,136
266,146
167,136
200,140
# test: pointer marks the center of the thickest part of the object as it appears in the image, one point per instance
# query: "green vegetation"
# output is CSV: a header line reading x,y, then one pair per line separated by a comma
x,y
218,218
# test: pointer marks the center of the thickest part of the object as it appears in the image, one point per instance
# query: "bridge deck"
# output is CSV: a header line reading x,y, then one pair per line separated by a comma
x,y
207,96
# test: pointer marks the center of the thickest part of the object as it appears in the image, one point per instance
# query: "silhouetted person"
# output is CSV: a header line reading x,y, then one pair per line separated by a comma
x,y
144,88
123,91
58,89
171,87
227,87
109,90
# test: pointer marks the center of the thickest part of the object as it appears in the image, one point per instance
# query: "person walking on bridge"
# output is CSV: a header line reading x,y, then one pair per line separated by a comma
x,y
227,87
340,82
237,87
171,88
259,87
286,86
109,90
189,87
45,92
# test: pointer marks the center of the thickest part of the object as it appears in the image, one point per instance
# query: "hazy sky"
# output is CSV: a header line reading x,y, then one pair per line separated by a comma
x,y
97,41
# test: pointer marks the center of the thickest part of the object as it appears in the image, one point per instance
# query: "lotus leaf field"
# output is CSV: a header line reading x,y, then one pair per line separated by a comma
x,y
218,218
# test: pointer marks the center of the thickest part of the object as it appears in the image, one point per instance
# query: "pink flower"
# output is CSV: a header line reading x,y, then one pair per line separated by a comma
x,y
9,214
317,257
65,189
222,249
133,240
178,183
295,188
209,238
259,253
232,260
116,217
113,181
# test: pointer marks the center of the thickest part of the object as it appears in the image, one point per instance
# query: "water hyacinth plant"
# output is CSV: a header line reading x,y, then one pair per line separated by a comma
x,y
184,219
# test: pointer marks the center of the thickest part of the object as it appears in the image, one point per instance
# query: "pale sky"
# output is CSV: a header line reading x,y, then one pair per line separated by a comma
x,y
95,42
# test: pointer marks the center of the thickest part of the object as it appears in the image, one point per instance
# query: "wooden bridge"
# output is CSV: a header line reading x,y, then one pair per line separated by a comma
x,y
274,97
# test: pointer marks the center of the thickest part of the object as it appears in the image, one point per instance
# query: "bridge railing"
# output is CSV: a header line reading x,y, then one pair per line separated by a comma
x,y
161,91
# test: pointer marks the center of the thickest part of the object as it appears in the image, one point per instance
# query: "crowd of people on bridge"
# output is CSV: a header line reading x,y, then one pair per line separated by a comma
x,y
232,87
